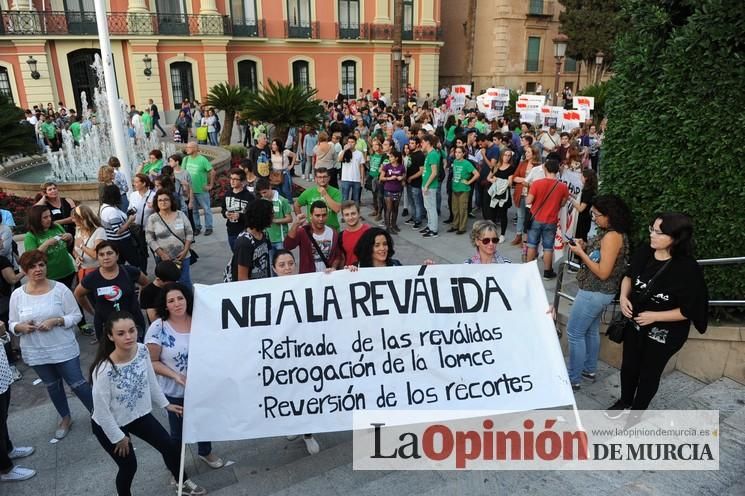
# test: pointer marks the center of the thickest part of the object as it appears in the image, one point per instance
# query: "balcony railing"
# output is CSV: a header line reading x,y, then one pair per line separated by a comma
x,y
541,8
255,28
303,30
427,33
352,31
32,23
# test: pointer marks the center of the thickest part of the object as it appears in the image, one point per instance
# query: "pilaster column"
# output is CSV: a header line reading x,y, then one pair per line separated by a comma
x,y
137,7
382,12
208,7
428,13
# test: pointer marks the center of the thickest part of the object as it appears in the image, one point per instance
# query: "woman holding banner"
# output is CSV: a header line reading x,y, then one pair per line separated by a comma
x,y
124,390
375,249
167,341
284,265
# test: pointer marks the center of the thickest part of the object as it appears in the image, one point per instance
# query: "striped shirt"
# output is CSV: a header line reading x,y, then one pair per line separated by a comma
x,y
112,219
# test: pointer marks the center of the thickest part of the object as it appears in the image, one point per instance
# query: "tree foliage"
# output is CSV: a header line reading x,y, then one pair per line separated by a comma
x,y
18,135
230,99
285,106
591,25
675,124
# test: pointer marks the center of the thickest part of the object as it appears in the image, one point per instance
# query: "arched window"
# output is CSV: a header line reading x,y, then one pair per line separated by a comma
x,y
349,79
182,83
247,75
301,73
5,88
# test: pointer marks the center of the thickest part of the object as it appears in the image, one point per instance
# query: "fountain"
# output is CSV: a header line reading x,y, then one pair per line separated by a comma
x,y
75,168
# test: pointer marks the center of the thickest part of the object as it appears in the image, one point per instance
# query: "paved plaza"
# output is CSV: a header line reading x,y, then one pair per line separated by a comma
x,y
274,466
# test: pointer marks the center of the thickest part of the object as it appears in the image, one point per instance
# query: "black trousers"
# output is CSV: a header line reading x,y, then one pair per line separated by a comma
x,y
5,445
153,433
644,359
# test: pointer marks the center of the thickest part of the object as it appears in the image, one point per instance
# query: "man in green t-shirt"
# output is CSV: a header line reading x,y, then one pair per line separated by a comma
x,y
430,184
464,174
75,130
282,217
49,132
202,179
147,122
321,191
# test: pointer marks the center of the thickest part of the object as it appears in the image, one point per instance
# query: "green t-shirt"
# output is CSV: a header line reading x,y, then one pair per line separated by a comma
x,y
147,122
432,159
361,146
376,159
153,167
481,127
49,130
199,168
310,195
462,171
450,134
75,130
281,207
59,261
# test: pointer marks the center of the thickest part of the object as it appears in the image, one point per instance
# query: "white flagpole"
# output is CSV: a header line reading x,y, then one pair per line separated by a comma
x,y
181,469
115,111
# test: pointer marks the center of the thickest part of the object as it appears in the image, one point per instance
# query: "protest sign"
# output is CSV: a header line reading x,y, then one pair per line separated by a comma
x,y
493,102
568,214
300,354
570,119
459,92
583,102
551,116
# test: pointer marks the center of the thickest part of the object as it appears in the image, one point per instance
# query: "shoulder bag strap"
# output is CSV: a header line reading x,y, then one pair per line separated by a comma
x,y
317,248
547,197
169,229
648,292
144,206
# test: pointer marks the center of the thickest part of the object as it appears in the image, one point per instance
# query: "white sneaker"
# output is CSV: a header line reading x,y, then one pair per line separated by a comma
x,y
21,452
501,239
213,461
311,444
17,474
191,489
17,376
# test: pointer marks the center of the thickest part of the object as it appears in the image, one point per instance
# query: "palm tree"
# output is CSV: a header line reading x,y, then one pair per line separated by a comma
x,y
285,106
18,135
230,99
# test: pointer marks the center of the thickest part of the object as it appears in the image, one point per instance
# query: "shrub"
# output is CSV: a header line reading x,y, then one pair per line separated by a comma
x,y
16,205
675,125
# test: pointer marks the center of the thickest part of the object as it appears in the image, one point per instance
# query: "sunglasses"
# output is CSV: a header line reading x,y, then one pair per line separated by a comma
x,y
487,241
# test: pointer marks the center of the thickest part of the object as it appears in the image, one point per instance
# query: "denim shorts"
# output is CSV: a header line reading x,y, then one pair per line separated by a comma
x,y
545,233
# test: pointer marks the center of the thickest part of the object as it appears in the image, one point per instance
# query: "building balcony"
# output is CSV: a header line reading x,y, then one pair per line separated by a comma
x,y
427,33
249,28
54,23
302,30
541,8
352,31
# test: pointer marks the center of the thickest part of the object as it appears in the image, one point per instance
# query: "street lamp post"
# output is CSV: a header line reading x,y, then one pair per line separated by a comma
x,y
599,65
560,49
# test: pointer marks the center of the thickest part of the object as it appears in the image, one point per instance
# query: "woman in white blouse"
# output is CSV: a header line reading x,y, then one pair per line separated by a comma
x,y
141,205
167,340
44,314
124,390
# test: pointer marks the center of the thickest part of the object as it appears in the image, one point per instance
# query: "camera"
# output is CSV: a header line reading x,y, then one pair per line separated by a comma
x,y
132,211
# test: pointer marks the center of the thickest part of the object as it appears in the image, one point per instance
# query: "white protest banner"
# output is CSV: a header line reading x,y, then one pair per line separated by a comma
x,y
493,102
551,116
568,214
570,119
299,354
459,92
583,102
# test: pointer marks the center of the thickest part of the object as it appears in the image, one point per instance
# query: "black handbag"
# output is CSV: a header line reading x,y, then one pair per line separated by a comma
x,y
530,217
619,321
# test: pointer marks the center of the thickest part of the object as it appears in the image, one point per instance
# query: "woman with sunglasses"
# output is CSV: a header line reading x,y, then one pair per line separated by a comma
x,y
485,238
603,262
659,324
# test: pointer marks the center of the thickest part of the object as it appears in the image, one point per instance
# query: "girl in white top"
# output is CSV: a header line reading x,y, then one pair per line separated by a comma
x,y
44,314
167,340
124,390
88,234
283,161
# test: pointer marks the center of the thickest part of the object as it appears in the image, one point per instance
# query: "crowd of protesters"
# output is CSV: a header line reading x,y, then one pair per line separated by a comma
x,y
417,164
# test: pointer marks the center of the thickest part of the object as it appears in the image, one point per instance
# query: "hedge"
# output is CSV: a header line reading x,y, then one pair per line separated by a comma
x,y
676,130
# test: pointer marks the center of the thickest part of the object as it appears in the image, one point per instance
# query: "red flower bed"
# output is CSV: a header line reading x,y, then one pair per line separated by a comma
x,y
16,205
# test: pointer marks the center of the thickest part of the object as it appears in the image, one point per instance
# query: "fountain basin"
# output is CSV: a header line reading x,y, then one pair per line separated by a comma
x,y
24,177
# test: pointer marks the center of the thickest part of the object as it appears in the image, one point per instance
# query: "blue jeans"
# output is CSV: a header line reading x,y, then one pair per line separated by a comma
x,y
202,200
416,203
285,189
185,270
430,205
176,423
583,332
353,187
213,138
231,242
542,233
53,373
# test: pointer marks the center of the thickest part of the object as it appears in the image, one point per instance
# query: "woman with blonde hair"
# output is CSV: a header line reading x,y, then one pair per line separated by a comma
x,y
324,153
105,177
88,234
